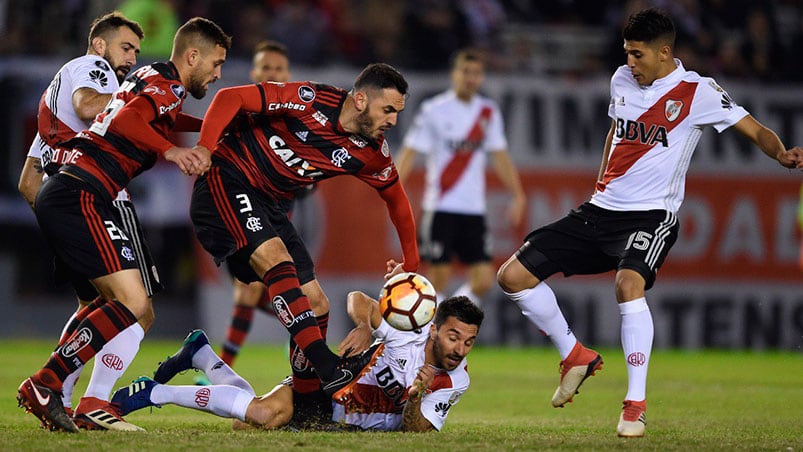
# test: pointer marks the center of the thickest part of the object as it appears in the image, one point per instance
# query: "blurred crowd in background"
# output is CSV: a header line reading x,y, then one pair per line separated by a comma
x,y
733,39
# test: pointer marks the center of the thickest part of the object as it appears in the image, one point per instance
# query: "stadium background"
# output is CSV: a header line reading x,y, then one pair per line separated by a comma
x,y
732,280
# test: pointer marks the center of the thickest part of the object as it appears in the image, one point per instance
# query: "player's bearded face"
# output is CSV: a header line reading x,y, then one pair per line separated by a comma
x,y
121,52
208,70
453,341
380,114
365,124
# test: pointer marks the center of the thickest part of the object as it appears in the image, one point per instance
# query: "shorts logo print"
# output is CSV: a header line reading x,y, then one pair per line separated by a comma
x,y
127,254
253,224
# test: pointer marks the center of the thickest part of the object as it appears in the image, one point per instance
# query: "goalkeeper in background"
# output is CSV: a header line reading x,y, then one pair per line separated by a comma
x,y
412,386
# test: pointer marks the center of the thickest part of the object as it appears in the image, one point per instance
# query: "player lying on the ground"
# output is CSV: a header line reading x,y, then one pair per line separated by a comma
x,y
411,387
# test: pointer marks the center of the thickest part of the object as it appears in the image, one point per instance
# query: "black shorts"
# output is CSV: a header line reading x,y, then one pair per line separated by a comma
x,y
130,222
147,267
442,235
83,228
592,240
232,219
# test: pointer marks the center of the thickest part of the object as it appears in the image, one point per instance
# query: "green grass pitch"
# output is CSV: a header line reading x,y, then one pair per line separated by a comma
x,y
707,400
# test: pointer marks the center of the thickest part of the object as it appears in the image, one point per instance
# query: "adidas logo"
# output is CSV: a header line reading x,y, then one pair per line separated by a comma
x,y
442,408
401,362
302,135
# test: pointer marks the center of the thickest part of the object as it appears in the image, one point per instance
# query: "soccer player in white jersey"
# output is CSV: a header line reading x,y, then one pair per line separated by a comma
x,y
658,110
411,387
457,131
79,91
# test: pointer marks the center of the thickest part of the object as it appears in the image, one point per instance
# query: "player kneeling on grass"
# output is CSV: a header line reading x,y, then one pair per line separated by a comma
x,y
411,386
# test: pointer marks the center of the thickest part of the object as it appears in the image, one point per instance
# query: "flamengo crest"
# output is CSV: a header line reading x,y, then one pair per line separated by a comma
x,y
673,108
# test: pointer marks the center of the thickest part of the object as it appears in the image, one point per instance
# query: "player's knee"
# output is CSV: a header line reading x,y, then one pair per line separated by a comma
x,y
248,294
319,304
511,276
268,415
268,255
629,285
147,319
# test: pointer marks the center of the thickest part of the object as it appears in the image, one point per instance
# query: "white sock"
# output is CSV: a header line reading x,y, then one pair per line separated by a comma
x,y
218,372
637,334
541,307
223,400
112,361
69,386
465,290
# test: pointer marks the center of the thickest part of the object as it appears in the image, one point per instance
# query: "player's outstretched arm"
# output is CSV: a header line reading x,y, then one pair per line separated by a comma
x,y
401,214
769,143
412,418
364,312
88,103
224,107
510,177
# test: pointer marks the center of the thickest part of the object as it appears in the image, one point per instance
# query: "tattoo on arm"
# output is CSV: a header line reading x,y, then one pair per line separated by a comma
x,y
38,167
412,419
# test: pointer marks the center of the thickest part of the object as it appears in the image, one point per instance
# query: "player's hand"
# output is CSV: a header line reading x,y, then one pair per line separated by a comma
x,y
423,380
203,159
358,340
189,161
791,158
393,268
515,212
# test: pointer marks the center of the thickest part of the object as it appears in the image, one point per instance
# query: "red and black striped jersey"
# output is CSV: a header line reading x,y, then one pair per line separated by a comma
x,y
285,136
293,138
130,134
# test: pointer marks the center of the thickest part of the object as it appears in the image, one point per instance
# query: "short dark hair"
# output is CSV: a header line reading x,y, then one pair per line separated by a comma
x,y
381,76
108,23
460,307
270,46
464,55
200,32
649,25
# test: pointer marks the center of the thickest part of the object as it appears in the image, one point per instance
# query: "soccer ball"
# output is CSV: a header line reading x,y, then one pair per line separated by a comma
x,y
407,301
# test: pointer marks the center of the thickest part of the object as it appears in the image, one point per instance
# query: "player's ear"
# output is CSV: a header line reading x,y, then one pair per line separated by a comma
x,y
193,56
360,100
99,45
665,52
433,331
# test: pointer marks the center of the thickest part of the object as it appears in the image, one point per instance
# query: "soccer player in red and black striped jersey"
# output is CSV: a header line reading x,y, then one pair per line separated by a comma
x,y
74,207
282,137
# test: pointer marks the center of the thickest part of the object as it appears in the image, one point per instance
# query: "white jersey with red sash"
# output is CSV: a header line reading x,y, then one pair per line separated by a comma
x,y
455,136
379,396
657,128
57,120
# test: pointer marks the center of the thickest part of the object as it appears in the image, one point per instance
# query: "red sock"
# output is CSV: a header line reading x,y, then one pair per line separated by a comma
x,y
79,317
305,380
293,310
90,336
241,319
